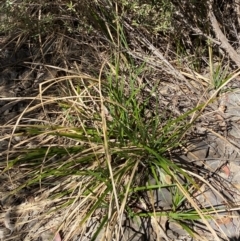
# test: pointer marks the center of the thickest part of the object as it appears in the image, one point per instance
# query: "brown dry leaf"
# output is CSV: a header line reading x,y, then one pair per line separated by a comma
x,y
224,220
226,170
57,237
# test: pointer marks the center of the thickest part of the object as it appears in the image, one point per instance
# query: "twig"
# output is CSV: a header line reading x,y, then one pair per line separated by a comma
x,y
222,38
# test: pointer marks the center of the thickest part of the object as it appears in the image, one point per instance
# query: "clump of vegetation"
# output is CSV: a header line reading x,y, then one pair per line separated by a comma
x,y
97,140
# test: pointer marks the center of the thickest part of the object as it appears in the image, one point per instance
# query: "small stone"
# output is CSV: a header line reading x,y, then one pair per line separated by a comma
x,y
17,138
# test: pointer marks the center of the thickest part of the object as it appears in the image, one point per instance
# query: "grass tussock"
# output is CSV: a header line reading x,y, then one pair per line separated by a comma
x,y
107,95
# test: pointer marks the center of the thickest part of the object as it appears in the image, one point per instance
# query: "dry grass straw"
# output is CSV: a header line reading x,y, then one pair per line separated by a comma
x,y
74,169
